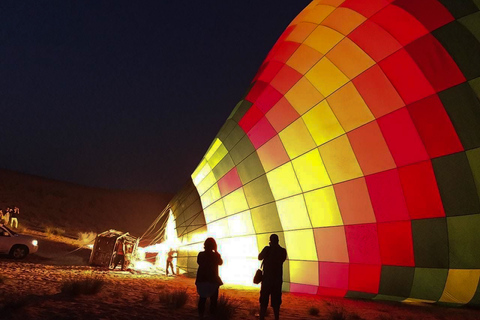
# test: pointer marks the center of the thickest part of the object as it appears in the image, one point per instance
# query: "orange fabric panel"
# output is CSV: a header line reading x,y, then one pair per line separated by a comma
x,y
354,202
344,20
281,115
301,32
350,58
303,96
331,244
304,58
272,154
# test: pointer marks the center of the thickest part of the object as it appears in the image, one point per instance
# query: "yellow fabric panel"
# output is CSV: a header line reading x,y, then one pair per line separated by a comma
x,y
206,183
301,32
311,172
340,161
219,154
303,272
235,202
304,58
201,172
323,208
296,139
218,229
326,77
209,197
349,58
293,213
344,20
242,247
461,286
215,145
301,245
318,14
241,224
214,212
272,154
323,39
303,96
283,182
322,123
349,107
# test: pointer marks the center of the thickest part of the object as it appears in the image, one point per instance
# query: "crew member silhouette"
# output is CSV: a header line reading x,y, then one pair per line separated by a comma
x,y
170,260
273,257
208,281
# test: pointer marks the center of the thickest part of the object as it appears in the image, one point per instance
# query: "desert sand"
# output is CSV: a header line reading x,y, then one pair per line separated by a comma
x,y
31,289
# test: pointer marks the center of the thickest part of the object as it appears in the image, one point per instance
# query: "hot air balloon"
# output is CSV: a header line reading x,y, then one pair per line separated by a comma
x,y
358,143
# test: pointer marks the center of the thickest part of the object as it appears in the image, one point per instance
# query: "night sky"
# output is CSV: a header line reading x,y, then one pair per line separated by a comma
x,y
126,94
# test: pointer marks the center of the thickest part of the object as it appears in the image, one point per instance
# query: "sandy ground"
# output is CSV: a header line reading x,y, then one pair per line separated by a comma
x,y
30,289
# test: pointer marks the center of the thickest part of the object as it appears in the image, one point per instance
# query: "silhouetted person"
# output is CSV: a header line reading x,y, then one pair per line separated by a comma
x,y
14,217
170,261
273,257
119,255
208,281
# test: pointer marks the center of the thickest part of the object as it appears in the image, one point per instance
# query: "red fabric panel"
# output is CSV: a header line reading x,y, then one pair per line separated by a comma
x,y
430,13
268,98
435,62
434,126
331,292
402,138
362,243
303,288
374,40
282,114
365,8
333,275
354,202
400,24
285,51
250,118
261,132
279,45
386,195
256,91
364,278
270,71
407,78
421,192
378,92
229,182
285,79
370,149
396,245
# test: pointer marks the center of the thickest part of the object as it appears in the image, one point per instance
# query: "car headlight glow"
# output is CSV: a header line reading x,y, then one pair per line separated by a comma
x,y
35,242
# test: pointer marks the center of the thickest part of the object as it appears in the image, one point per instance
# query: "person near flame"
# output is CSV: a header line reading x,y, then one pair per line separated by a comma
x,y
273,257
208,281
119,254
170,261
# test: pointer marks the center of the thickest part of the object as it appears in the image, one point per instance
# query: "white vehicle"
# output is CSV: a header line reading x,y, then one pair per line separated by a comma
x,y
17,245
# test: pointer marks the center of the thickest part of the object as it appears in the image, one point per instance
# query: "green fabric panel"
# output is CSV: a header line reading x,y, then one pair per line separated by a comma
x,y
477,2
475,85
383,297
463,107
233,138
226,129
250,168
285,285
265,220
476,298
258,192
462,46
428,283
242,149
472,23
396,281
430,243
464,241
456,185
242,109
459,8
359,295
474,160
237,106
223,167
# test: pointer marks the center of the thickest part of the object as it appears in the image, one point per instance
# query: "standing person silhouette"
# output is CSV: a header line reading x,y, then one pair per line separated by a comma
x,y
170,260
208,281
273,257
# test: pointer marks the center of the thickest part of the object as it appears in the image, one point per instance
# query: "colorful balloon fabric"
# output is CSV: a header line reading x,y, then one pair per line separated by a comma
x,y
358,143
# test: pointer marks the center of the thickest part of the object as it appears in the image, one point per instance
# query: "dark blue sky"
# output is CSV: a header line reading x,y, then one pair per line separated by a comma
x,y
126,94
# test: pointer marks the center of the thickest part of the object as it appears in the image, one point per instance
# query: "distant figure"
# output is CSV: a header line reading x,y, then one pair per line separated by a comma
x,y
170,260
1,217
119,254
6,216
273,257
14,217
208,281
